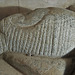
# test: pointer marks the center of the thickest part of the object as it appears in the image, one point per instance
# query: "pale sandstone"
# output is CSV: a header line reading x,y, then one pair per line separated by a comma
x,y
5,3
14,21
45,3
32,4
37,65
7,11
44,32
9,7
6,69
54,70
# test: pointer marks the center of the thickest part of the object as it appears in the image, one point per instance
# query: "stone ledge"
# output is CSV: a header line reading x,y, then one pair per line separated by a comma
x,y
37,65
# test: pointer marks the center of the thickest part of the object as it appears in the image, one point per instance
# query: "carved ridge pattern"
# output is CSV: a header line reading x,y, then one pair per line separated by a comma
x,y
49,37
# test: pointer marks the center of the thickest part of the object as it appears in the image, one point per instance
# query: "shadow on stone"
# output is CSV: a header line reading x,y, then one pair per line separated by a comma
x,y
7,11
70,69
24,69
71,54
72,8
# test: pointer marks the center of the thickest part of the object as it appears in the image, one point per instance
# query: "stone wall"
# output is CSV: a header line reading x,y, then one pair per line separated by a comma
x,y
32,4
8,7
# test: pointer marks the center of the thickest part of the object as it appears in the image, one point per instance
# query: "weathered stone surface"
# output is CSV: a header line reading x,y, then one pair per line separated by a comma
x,y
2,43
45,32
6,69
32,4
9,7
37,65
5,3
7,11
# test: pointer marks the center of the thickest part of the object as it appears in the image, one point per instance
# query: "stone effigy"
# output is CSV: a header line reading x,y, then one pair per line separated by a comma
x,y
37,65
43,31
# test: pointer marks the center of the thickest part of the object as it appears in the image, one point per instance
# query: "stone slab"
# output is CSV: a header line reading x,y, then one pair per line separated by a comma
x,y
6,69
37,65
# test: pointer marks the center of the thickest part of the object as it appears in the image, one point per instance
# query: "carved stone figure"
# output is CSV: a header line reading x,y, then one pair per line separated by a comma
x,y
43,31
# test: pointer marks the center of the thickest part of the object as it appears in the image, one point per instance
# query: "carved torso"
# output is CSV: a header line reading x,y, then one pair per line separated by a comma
x,y
48,32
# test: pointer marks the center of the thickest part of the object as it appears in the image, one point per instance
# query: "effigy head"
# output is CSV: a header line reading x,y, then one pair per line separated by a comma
x,y
44,32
